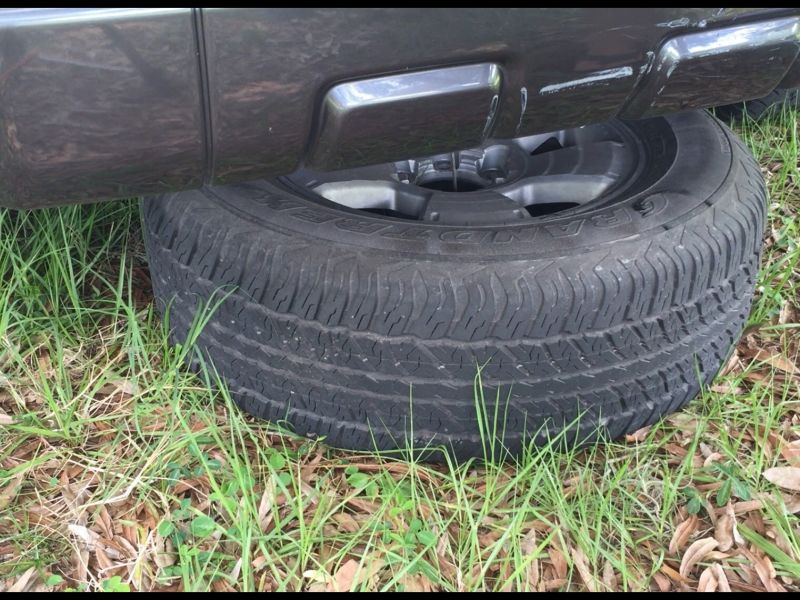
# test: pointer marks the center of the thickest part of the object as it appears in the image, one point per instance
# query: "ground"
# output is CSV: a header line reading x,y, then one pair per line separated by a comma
x,y
122,470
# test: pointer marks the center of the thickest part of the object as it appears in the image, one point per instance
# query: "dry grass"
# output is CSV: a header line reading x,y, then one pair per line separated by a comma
x,y
120,470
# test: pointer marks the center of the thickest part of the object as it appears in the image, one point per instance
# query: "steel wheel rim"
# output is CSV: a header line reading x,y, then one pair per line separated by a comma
x,y
504,182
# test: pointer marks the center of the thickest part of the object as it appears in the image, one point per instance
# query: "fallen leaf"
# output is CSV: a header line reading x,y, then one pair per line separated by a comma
x,y
102,559
682,534
712,514
675,449
745,507
725,531
105,524
126,386
446,567
363,505
782,542
673,574
610,578
791,453
416,583
265,505
765,571
722,388
346,522
87,536
777,360
707,581
662,582
755,376
237,569
579,558
695,553
80,560
559,562
10,491
731,365
787,314
528,547
22,583
345,575
712,458
685,422
792,503
754,521
639,435
220,585
787,478
259,563
722,579
164,552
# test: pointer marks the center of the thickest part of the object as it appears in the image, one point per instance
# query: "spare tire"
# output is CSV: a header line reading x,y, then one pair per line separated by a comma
x,y
368,326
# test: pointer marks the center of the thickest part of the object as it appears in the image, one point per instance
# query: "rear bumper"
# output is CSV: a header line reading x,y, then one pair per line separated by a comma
x,y
98,103
102,103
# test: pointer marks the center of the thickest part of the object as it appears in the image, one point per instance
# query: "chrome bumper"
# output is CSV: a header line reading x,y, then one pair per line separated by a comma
x,y
103,103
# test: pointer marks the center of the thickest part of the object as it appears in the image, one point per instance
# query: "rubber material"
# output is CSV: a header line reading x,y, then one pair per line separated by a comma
x,y
761,107
345,324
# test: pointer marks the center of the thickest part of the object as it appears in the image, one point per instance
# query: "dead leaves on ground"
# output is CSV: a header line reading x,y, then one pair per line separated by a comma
x,y
726,532
723,560
704,551
713,579
695,553
683,532
787,478
711,549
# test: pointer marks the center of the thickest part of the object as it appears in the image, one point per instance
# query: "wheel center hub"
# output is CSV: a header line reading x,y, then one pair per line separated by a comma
x,y
464,171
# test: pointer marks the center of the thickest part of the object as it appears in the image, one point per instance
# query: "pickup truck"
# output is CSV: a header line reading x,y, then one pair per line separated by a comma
x,y
418,227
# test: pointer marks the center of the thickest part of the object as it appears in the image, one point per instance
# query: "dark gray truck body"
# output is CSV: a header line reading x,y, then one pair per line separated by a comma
x,y
104,103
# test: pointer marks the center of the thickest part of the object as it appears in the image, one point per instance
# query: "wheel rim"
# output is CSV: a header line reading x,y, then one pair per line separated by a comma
x,y
503,182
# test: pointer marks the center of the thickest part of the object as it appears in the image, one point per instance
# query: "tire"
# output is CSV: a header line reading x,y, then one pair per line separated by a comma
x,y
592,321
761,108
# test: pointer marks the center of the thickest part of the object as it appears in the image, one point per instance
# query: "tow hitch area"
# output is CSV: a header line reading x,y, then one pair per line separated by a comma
x,y
104,103
717,67
397,116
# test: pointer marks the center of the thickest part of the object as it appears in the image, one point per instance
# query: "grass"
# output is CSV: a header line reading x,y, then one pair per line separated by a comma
x,y
121,470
